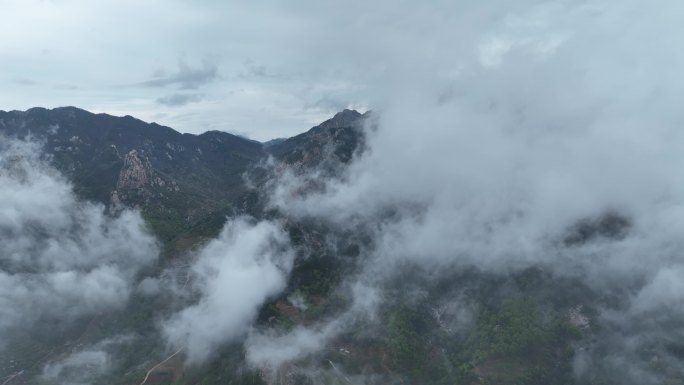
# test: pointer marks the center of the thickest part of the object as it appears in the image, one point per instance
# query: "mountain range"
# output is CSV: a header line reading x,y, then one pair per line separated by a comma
x,y
248,291
181,182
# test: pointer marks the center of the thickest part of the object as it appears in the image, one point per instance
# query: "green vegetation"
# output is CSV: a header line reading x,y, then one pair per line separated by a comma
x,y
406,337
166,223
520,343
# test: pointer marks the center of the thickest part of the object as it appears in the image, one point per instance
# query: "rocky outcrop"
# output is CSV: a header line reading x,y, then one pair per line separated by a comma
x,y
577,318
136,172
138,182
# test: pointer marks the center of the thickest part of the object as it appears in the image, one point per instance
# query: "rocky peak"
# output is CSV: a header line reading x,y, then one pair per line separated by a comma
x,y
345,118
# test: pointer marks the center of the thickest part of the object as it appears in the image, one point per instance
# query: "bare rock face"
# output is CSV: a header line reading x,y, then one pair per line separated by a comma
x,y
136,172
139,183
577,318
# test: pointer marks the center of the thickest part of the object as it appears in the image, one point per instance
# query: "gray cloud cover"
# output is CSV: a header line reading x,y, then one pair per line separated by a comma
x,y
174,100
187,77
272,64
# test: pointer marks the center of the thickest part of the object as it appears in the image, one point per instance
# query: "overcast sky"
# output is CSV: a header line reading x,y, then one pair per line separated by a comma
x,y
274,68
256,68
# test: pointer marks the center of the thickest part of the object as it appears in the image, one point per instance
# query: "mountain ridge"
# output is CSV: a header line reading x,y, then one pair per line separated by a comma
x,y
178,180
342,118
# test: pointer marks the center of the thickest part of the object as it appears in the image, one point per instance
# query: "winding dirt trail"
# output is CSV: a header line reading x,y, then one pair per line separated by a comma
x,y
159,364
11,377
339,372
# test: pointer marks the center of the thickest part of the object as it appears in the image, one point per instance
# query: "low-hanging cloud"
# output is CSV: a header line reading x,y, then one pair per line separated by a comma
x,y
537,121
518,153
62,258
234,275
267,350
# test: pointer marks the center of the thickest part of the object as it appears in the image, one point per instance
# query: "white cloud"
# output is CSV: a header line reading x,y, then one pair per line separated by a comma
x,y
271,351
61,258
234,275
